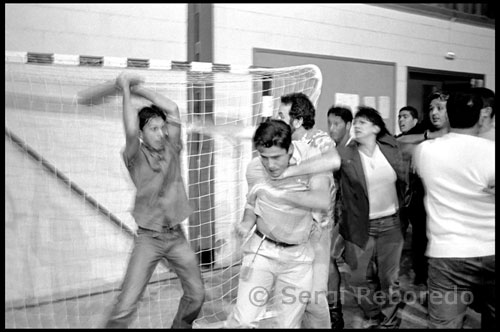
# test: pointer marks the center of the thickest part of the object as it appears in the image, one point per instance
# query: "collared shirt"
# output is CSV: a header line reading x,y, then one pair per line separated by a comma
x,y
280,220
161,198
320,140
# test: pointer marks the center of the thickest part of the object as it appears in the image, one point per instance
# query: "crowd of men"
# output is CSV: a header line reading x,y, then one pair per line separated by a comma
x,y
318,197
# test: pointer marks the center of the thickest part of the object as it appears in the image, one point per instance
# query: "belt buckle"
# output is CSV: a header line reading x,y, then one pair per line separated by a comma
x,y
168,229
279,244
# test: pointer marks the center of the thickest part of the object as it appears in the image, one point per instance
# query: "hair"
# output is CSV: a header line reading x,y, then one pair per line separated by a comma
x,y
488,97
464,109
374,117
413,111
344,113
149,112
437,94
302,107
271,133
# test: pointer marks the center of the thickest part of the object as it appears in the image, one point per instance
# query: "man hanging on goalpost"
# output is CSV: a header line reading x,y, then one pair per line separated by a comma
x,y
278,254
151,155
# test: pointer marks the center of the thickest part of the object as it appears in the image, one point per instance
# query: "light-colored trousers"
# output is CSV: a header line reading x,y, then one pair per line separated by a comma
x,y
283,272
317,315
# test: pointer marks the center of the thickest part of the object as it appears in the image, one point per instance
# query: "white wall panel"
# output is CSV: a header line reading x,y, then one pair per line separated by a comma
x,y
124,30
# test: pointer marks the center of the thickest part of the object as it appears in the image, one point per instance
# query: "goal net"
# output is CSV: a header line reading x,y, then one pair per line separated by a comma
x,y
68,195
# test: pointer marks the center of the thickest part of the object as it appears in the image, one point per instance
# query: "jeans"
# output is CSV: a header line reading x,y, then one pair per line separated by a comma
x,y
456,283
149,248
375,278
317,315
285,272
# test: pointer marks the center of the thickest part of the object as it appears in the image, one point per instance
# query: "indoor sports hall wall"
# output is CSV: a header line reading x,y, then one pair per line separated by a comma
x,y
150,31
353,31
356,32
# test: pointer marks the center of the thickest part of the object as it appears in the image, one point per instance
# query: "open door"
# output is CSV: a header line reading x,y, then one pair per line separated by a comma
x,y
422,82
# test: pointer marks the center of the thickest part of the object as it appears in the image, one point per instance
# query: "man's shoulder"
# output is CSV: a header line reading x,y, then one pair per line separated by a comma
x,y
255,171
322,140
255,166
318,133
255,163
304,150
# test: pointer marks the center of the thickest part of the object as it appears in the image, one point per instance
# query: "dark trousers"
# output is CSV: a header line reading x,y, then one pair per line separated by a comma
x,y
416,215
419,245
149,248
456,283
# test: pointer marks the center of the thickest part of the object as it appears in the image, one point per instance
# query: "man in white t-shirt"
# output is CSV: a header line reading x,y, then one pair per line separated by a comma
x,y
458,172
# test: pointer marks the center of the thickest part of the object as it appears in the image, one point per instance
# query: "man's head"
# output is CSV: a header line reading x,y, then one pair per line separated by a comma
x,y
407,118
273,140
297,110
437,110
152,126
464,109
339,123
488,98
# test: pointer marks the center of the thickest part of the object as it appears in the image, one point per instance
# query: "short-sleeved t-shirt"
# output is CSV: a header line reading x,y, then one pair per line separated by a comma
x,y
161,198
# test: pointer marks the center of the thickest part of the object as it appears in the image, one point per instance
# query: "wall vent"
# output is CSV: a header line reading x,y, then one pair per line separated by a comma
x,y
47,58
93,61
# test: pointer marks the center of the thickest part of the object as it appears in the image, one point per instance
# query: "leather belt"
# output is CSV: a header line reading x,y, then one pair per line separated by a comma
x,y
281,244
168,229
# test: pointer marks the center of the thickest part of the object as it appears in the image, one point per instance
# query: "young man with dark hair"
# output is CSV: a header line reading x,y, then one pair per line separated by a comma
x,y
458,173
325,310
151,155
408,121
339,124
278,254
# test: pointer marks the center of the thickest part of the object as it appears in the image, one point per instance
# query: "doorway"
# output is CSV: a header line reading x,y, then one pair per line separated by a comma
x,y
422,82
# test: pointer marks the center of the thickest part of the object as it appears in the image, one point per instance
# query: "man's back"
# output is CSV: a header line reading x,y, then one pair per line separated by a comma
x,y
455,169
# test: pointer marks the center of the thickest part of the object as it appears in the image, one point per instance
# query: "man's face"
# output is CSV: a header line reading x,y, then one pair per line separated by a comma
x,y
337,128
406,121
437,113
274,159
153,133
284,113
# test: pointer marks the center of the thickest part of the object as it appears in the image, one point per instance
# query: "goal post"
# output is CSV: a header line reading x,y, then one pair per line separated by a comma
x,y
68,196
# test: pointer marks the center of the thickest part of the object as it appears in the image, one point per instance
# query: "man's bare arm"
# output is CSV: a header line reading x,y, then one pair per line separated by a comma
x,y
130,118
317,197
327,162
